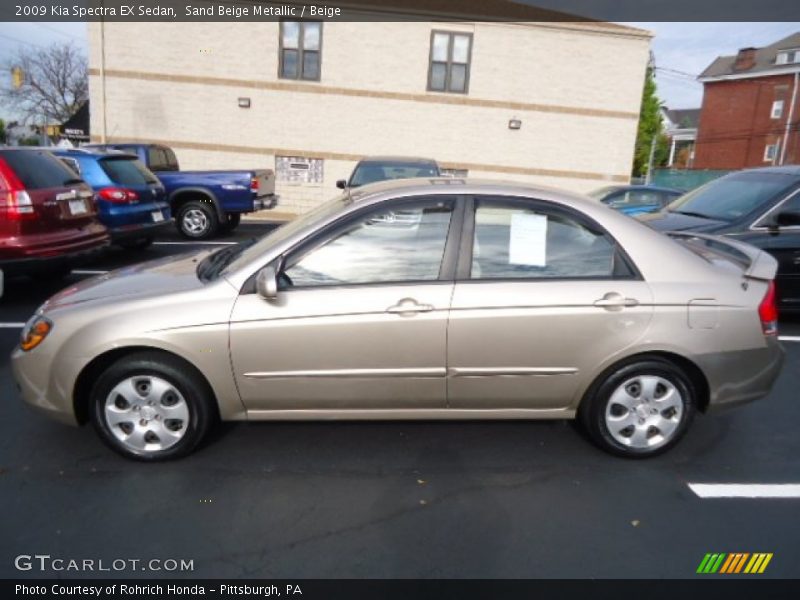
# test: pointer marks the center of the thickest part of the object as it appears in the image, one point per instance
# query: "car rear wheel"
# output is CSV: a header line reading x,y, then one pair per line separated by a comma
x,y
198,220
149,406
640,409
233,220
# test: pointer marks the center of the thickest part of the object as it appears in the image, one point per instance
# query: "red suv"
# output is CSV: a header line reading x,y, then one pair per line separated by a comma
x,y
48,219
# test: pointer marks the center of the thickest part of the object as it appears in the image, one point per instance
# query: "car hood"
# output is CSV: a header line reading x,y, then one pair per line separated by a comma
x,y
672,221
149,279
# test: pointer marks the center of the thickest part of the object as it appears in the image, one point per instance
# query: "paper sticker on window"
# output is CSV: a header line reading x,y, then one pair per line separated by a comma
x,y
528,243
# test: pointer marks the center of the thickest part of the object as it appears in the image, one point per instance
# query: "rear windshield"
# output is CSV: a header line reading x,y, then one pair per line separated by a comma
x,y
372,172
127,171
38,169
733,196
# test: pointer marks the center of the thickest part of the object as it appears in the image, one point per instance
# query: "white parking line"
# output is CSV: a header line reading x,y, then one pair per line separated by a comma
x,y
745,490
195,243
87,272
12,325
789,338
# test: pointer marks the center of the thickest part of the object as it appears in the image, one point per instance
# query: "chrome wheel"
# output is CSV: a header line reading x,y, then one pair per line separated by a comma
x,y
146,413
195,222
644,412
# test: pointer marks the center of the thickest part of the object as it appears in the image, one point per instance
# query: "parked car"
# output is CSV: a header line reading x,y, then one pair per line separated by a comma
x,y
381,168
757,206
204,202
502,301
635,199
130,199
48,220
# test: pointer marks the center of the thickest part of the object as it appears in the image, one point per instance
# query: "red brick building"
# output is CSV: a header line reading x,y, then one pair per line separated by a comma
x,y
750,115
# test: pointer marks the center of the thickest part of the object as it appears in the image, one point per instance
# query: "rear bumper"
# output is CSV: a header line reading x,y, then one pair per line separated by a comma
x,y
137,231
743,376
265,202
53,251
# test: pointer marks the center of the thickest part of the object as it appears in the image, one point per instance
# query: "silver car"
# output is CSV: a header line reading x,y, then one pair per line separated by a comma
x,y
489,301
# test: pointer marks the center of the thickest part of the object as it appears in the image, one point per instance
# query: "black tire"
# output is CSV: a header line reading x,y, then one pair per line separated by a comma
x,y
192,390
592,411
137,244
233,220
198,220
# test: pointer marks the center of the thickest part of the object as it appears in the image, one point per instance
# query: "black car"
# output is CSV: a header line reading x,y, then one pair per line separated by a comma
x,y
635,199
757,206
381,168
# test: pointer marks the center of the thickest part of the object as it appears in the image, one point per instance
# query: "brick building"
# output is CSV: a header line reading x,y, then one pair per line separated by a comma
x,y
317,97
750,115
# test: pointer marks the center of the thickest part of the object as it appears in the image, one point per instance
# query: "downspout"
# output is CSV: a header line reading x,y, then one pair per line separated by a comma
x,y
103,129
790,117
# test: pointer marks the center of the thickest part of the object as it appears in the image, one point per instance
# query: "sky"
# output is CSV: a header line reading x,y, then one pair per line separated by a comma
x,y
682,50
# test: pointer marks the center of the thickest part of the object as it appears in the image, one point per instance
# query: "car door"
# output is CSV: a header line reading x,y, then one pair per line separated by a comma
x,y
360,320
543,296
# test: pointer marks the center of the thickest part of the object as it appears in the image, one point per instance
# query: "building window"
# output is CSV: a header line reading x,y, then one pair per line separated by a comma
x,y
449,62
770,152
300,50
777,109
788,57
297,169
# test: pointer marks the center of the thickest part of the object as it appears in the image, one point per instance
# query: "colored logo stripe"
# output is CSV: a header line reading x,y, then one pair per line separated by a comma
x,y
734,562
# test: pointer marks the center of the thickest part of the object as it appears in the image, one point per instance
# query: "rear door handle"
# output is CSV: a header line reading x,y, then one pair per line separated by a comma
x,y
615,301
409,306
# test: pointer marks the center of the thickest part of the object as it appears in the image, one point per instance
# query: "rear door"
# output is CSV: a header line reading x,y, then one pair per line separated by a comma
x,y
543,295
60,199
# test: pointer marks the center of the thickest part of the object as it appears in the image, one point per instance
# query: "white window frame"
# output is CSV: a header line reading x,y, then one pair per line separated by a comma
x,y
770,148
783,57
777,109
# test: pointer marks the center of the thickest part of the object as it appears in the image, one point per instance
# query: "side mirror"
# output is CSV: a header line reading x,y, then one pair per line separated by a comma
x,y
788,218
267,283
341,184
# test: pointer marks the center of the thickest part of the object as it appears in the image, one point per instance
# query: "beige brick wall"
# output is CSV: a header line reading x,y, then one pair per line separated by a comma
x,y
556,69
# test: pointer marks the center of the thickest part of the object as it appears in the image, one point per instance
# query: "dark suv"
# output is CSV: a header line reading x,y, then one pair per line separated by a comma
x,y
757,206
48,219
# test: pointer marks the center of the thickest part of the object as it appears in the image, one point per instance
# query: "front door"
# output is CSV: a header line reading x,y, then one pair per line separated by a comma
x,y
545,297
360,320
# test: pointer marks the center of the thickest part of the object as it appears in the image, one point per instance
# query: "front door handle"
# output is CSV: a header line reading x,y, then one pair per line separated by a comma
x,y
409,306
615,301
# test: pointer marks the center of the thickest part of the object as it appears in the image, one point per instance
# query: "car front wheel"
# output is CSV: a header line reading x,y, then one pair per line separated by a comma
x,y
150,406
640,409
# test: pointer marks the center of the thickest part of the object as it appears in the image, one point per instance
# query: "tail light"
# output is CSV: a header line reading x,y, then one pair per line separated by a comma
x,y
14,200
254,185
118,195
768,311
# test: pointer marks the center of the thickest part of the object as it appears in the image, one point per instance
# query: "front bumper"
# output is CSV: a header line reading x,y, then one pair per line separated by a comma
x,y
33,375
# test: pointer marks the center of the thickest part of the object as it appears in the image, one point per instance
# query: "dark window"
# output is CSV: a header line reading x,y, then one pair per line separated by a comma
x,y
171,160
37,169
71,163
371,172
400,244
527,243
301,50
449,62
157,159
127,171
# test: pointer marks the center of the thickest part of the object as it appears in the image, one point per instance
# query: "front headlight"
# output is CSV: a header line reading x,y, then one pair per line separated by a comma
x,y
34,332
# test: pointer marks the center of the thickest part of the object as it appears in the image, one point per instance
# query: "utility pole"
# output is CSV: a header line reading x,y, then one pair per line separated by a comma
x,y
648,179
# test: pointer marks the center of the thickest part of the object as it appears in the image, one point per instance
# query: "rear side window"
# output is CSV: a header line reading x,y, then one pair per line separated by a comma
x,y
157,158
171,160
38,169
127,171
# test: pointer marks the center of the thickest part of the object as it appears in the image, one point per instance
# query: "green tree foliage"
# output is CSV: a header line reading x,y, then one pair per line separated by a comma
x,y
649,126
2,131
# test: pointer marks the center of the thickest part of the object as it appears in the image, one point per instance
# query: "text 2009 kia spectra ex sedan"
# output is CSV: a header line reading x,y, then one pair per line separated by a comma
x,y
415,299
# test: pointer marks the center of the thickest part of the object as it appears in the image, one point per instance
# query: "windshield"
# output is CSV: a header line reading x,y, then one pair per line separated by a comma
x,y
371,172
258,247
732,196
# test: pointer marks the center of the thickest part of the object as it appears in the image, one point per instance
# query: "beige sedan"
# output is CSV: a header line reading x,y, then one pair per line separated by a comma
x,y
415,299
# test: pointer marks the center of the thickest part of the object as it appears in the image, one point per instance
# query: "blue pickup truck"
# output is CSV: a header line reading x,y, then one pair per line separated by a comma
x,y
203,202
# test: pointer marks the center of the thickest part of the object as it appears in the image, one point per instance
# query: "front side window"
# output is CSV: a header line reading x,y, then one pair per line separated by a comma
x,y
404,243
300,48
449,62
516,242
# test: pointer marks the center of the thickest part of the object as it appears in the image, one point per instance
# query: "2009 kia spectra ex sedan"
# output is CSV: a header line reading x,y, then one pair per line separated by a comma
x,y
415,299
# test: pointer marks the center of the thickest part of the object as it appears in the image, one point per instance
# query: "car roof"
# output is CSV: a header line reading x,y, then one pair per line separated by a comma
x,y
396,159
90,152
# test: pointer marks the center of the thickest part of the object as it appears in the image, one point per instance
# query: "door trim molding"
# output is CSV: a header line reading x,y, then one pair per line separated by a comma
x,y
510,371
410,414
348,373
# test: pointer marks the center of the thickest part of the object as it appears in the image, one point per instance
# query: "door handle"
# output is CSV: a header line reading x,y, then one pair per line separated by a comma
x,y
615,301
409,305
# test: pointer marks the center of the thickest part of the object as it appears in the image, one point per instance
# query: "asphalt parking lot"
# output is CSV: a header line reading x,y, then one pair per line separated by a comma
x,y
427,499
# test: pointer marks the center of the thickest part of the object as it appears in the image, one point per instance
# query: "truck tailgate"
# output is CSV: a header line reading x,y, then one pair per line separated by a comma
x,y
266,182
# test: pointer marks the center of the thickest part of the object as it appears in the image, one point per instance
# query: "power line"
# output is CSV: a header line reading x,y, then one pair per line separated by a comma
x,y
19,41
59,31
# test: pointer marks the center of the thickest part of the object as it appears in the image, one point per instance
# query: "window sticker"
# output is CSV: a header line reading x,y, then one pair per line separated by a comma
x,y
528,240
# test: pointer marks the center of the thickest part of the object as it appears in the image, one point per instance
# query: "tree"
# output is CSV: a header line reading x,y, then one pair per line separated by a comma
x,y
55,82
649,126
2,132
